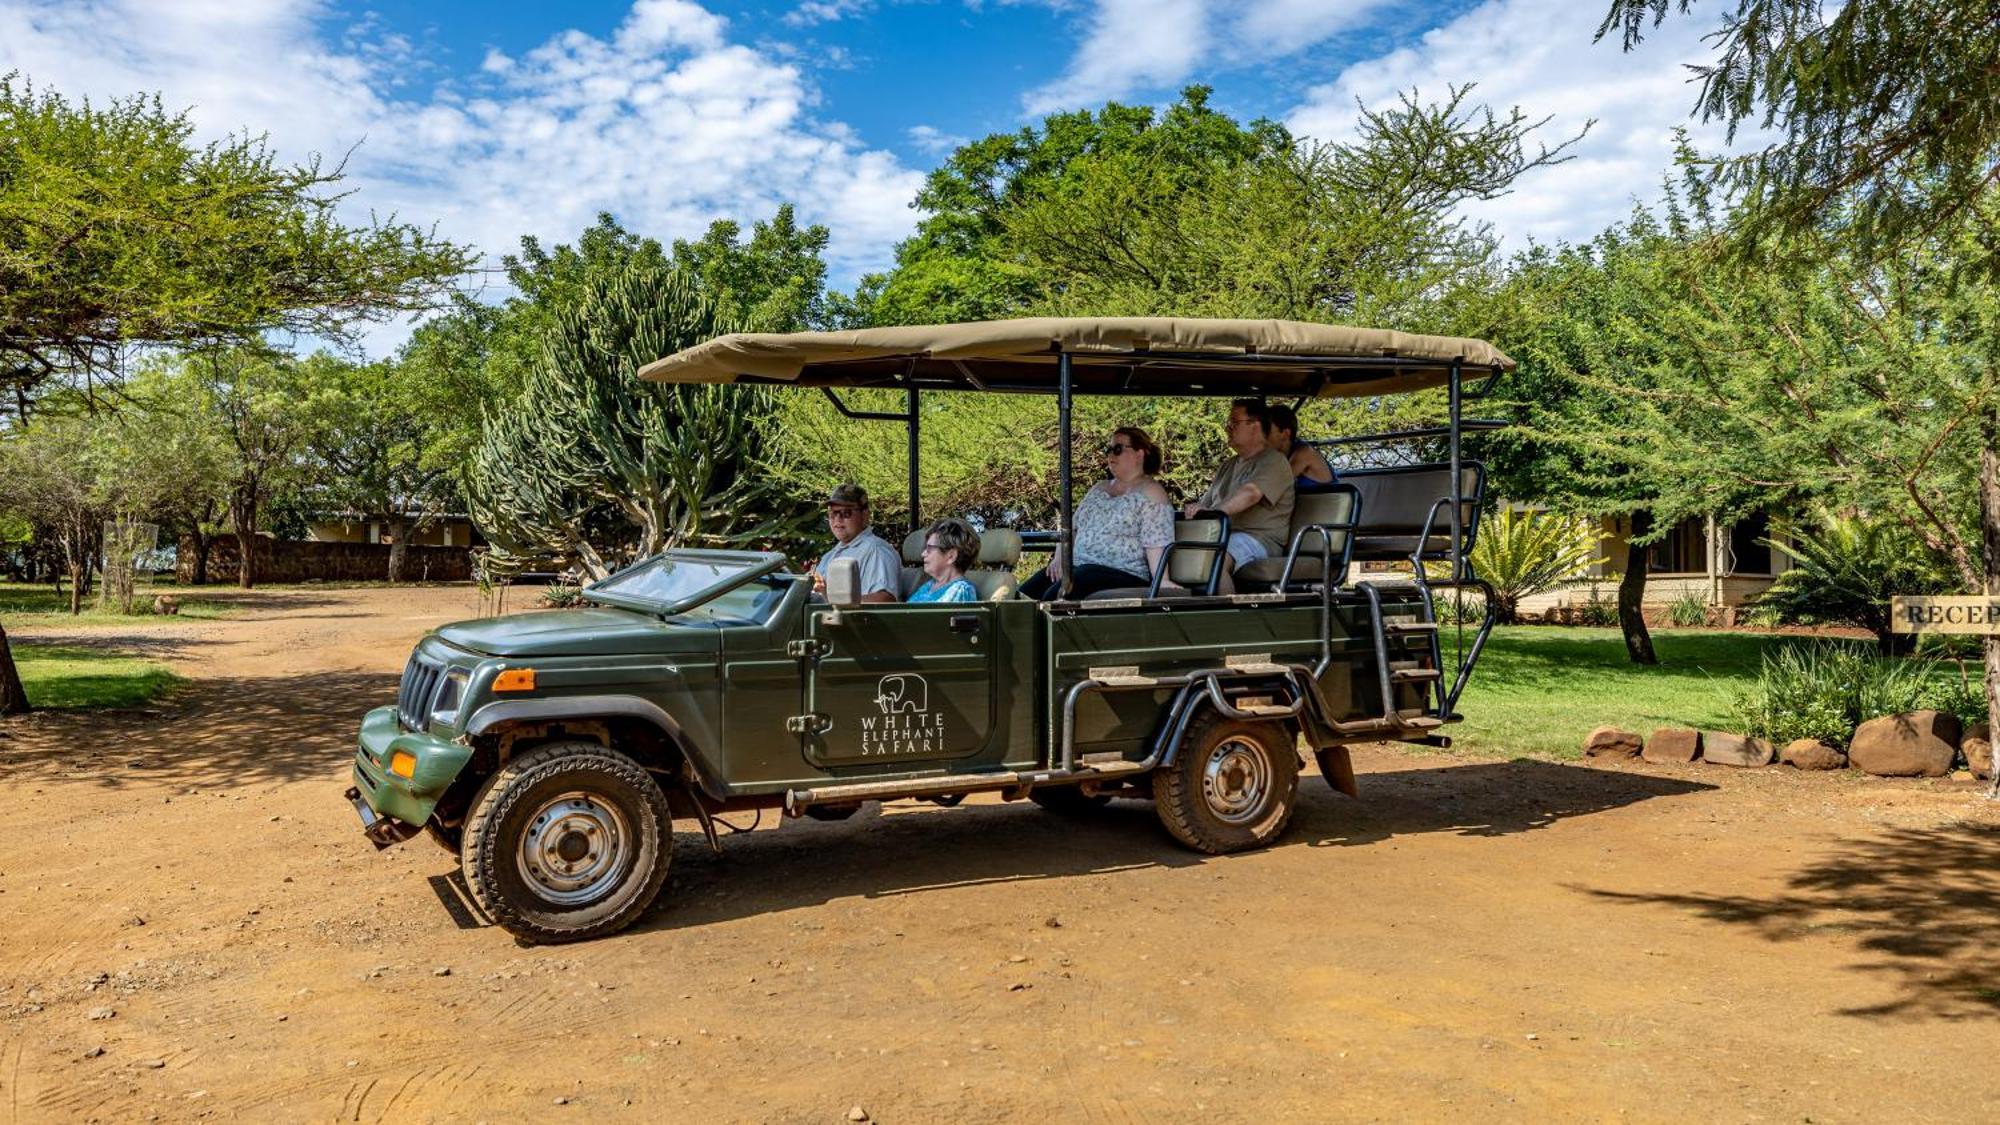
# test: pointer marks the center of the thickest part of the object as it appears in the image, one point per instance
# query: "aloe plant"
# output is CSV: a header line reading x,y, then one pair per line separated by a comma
x,y
1522,554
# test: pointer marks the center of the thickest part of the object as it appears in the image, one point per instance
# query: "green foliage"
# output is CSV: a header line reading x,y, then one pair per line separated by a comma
x,y
1889,110
1846,568
1597,612
1521,554
1688,611
119,231
562,595
1825,689
774,282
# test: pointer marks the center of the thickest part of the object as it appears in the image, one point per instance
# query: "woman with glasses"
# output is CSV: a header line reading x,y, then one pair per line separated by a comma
x,y
1123,524
950,548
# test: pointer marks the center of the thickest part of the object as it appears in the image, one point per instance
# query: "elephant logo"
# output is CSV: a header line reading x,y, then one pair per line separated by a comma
x,y
903,693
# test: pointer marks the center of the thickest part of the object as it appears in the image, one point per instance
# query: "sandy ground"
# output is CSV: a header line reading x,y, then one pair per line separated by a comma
x,y
191,925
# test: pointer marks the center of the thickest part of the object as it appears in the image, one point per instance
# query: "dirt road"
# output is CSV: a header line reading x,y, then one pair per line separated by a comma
x,y
191,925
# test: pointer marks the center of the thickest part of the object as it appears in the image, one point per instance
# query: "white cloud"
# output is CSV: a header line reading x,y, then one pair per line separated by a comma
x,y
931,139
825,11
1284,26
1538,55
1131,45
664,122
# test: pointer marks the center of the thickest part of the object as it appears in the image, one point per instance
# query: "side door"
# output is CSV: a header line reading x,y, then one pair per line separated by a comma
x,y
899,685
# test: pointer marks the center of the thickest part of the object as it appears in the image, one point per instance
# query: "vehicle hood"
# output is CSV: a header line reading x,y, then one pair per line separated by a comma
x,y
579,632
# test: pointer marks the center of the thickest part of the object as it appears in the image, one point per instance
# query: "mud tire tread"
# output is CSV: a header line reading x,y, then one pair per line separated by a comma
x,y
1177,787
484,850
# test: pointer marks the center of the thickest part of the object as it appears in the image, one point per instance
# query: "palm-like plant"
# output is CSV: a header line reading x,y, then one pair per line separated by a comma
x,y
1846,568
1521,554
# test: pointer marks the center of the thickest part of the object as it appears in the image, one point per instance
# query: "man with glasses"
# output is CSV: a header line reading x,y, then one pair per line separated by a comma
x,y
1254,488
847,518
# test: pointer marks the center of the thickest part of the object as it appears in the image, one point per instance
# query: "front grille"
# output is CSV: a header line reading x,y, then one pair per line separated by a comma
x,y
419,689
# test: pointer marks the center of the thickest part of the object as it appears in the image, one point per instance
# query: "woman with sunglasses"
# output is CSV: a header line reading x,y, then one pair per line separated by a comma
x,y
1123,524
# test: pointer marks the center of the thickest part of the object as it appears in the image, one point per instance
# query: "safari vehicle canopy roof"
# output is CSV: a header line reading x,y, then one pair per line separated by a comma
x,y
1109,355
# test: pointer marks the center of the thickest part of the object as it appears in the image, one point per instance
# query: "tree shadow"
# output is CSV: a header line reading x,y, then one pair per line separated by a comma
x,y
1926,902
805,863
242,730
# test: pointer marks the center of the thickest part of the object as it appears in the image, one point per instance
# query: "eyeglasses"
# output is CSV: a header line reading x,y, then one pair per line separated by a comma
x,y
843,513
929,547
1117,448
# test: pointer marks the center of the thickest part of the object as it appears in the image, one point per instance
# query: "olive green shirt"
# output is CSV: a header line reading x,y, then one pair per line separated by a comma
x,y
1269,520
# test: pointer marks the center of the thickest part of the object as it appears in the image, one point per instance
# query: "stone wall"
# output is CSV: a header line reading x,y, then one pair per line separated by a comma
x,y
281,560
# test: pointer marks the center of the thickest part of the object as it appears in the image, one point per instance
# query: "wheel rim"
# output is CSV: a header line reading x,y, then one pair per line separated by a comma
x,y
575,848
1235,780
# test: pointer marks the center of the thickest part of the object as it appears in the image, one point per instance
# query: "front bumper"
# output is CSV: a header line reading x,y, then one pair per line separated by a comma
x,y
389,796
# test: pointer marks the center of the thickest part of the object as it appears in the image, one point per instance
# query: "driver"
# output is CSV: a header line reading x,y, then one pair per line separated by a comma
x,y
847,518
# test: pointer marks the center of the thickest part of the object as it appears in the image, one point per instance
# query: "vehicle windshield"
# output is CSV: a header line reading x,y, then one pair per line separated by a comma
x,y
682,581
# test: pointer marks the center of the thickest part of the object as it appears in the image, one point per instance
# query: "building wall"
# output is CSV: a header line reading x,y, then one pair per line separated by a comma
x,y
1663,587
452,532
290,561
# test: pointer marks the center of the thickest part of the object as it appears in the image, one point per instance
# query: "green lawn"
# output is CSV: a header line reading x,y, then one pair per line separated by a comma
x,y
1539,690
40,605
60,676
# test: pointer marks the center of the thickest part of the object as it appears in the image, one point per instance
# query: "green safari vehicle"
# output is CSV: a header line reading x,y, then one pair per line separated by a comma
x,y
553,750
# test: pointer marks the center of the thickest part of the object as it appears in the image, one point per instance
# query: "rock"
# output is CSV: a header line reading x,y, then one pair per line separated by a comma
x,y
1611,742
1671,746
154,1064
166,605
1912,744
1812,754
1724,749
94,1052
558,1100
857,1114
1977,746
441,971
102,1013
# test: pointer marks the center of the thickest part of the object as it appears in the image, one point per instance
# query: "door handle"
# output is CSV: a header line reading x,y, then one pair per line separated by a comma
x,y
965,623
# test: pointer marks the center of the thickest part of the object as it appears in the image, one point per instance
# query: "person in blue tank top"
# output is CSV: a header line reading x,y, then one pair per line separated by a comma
x,y
1308,463
950,548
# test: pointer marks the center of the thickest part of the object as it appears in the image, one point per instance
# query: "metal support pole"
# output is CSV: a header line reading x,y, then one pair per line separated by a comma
x,y
916,492
1066,548
1457,483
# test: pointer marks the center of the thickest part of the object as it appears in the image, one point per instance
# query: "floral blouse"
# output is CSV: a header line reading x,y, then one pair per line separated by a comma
x,y
1115,531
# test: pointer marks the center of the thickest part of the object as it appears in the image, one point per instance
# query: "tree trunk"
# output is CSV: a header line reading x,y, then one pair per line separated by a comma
x,y
243,518
1989,529
202,543
13,697
1632,592
399,534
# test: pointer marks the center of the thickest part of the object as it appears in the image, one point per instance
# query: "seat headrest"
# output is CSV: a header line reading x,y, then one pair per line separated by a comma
x,y
1000,546
913,546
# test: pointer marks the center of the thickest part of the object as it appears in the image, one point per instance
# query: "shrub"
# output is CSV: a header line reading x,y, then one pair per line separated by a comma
x,y
562,595
1689,610
1597,611
1846,570
1449,610
1521,554
1824,690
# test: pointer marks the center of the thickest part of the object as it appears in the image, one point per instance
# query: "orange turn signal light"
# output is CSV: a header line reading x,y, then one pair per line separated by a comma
x,y
403,764
515,679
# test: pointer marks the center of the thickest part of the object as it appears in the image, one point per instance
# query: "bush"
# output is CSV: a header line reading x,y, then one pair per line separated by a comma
x,y
1597,611
1846,570
562,595
1521,554
1824,690
1690,610
1451,610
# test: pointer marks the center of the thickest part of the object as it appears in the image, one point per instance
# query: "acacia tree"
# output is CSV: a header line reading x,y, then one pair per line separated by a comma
x,y
118,231
1890,115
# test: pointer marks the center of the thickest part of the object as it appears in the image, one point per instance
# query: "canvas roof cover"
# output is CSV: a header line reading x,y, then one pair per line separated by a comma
x,y
1111,355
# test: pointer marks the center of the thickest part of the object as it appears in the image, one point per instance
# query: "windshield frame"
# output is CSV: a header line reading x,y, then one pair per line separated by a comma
x,y
754,564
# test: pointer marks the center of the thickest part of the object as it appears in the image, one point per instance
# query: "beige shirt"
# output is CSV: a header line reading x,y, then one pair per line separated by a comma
x,y
1269,520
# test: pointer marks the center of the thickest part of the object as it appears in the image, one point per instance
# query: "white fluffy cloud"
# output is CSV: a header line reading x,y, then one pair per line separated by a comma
x,y
1538,55
665,122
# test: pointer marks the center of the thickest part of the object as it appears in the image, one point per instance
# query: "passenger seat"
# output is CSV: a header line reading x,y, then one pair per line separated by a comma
x,y
1335,506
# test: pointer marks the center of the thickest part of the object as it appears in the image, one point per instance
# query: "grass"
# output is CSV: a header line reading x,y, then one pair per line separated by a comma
x,y
1539,690
38,604
64,677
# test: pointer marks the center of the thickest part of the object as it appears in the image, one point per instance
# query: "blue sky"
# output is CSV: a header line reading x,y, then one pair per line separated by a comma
x,y
505,118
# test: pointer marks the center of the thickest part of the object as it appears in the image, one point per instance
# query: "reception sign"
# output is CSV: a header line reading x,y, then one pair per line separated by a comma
x,y
1976,614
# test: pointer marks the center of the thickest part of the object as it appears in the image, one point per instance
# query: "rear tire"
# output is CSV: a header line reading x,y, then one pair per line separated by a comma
x,y
567,842
1068,800
1232,786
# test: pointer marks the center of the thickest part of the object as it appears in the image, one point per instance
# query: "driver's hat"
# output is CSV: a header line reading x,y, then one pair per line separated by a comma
x,y
848,494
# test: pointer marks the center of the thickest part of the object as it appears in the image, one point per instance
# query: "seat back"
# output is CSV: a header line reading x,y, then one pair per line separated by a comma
x,y
1395,502
1194,558
1333,507
913,564
993,574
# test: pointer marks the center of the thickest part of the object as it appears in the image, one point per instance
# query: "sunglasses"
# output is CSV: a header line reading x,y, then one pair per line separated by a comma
x,y
842,513
1118,447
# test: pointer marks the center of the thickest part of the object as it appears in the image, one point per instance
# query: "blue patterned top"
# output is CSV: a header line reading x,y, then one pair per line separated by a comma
x,y
957,590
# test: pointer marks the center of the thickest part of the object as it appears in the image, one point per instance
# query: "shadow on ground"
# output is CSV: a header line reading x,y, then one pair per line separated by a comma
x,y
1925,903
807,863
244,730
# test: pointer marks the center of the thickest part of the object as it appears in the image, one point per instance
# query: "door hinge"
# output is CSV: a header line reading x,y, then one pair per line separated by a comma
x,y
812,722
809,649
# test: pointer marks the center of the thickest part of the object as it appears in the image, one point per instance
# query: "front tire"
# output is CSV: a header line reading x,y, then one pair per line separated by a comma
x,y
568,841
1232,787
